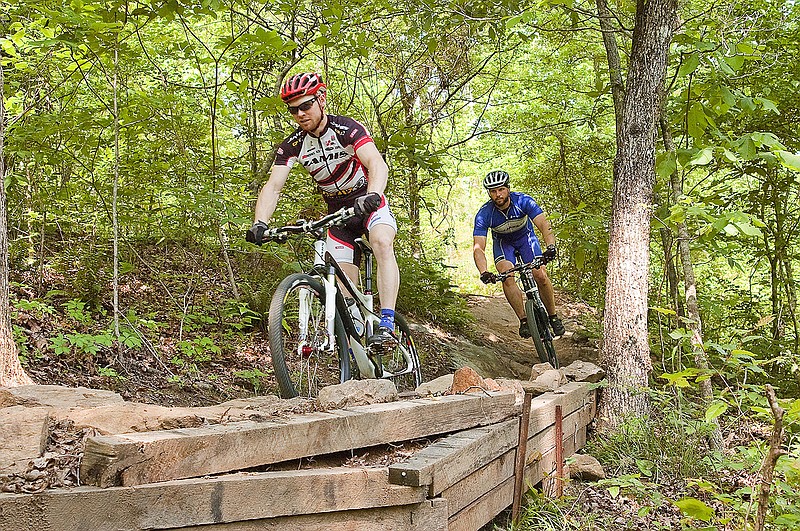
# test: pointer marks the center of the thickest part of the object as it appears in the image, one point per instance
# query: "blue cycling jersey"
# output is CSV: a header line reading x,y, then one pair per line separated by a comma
x,y
510,224
512,230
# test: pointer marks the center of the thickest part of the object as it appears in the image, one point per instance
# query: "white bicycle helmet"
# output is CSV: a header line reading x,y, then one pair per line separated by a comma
x,y
496,179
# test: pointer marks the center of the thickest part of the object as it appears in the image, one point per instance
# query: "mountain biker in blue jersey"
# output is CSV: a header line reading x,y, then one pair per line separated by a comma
x,y
349,171
511,217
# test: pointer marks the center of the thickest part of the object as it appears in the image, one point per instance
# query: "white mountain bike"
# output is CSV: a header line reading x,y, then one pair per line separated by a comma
x,y
317,332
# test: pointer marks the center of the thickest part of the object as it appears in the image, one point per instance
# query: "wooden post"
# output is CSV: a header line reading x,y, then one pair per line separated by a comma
x,y
559,453
522,451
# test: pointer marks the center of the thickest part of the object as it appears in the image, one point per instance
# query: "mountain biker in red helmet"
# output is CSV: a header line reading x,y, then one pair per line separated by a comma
x,y
511,217
349,171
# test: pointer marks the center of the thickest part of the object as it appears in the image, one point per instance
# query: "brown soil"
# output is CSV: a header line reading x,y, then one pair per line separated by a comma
x,y
497,325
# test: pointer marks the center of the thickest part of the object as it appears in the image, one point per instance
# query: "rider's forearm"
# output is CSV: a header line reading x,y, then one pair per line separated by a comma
x,y
377,170
266,203
479,255
543,224
378,178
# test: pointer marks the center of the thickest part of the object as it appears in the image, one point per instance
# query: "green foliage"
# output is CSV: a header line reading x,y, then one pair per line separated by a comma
x,y
425,292
239,315
76,309
255,377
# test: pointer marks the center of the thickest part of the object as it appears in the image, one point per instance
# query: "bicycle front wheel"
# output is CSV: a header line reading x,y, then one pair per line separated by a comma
x,y
303,360
542,340
402,363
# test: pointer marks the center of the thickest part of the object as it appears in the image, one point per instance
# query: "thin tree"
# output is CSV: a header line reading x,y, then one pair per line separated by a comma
x,y
625,353
11,371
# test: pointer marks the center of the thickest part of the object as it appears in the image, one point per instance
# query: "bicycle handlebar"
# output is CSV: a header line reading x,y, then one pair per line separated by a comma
x,y
536,263
302,226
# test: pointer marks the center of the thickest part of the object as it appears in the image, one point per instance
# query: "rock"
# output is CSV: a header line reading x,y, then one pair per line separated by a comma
x,y
539,369
586,467
507,384
549,380
263,404
491,384
56,396
552,379
135,417
357,393
23,436
583,371
466,380
438,386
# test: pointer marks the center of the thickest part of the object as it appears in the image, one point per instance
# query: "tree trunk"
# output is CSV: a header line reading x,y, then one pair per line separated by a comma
x,y
625,353
695,321
11,371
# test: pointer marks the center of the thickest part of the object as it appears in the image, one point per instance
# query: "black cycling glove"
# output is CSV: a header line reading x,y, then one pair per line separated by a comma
x,y
367,204
255,234
488,277
550,253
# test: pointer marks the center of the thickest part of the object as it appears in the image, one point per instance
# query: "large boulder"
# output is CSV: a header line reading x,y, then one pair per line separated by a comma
x,y
57,396
23,436
583,371
357,393
539,369
466,380
549,380
436,387
586,467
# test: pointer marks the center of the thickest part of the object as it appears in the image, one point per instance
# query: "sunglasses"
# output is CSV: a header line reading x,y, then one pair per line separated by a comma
x,y
306,105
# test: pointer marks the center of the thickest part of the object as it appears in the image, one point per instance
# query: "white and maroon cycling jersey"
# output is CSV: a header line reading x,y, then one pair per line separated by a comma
x,y
330,159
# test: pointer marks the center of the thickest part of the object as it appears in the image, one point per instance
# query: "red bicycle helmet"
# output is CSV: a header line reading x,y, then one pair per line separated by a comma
x,y
306,84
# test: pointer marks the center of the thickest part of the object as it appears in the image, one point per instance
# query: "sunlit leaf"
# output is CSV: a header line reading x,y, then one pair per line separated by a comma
x,y
694,508
715,409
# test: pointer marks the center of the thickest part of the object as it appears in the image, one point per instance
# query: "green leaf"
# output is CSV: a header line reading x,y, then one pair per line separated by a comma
x,y
789,160
663,311
614,491
666,164
735,62
694,508
696,120
580,258
715,409
703,157
689,65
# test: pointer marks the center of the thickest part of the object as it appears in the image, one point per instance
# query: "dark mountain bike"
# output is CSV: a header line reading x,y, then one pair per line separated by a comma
x,y
319,322
538,322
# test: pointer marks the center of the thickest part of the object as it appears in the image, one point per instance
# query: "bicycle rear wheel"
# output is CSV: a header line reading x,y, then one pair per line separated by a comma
x,y
403,361
302,361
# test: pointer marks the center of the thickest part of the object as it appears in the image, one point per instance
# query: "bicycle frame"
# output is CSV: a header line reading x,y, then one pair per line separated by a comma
x,y
334,300
332,276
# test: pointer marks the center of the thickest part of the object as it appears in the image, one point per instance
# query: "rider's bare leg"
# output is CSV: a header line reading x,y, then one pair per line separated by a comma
x,y
381,238
545,289
513,294
351,270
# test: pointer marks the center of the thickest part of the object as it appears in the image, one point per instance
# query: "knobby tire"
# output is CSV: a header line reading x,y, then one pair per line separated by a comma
x,y
402,355
301,373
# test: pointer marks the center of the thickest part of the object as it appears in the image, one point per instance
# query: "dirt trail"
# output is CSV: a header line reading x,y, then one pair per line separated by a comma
x,y
495,348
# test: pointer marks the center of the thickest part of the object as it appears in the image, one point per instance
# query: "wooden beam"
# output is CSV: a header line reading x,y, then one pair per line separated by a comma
x,y
138,458
540,460
430,515
449,460
453,458
482,511
193,502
